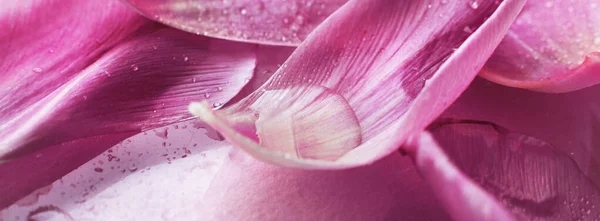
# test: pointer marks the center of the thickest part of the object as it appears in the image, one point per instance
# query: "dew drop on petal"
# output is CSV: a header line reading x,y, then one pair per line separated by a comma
x,y
474,5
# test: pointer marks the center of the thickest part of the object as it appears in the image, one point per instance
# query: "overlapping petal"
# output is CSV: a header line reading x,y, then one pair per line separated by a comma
x,y
277,22
368,77
568,121
70,91
531,178
462,198
553,46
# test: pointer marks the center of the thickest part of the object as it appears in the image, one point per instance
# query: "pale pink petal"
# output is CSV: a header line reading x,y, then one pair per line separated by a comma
x,y
570,121
248,189
163,177
530,177
60,109
277,22
386,69
553,46
462,198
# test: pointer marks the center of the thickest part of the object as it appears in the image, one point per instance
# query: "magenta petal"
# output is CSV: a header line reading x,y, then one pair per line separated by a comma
x,y
277,22
531,178
72,92
390,66
462,198
553,46
139,85
247,189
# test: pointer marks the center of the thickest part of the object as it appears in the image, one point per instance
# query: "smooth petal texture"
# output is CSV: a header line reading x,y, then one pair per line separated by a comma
x,y
398,64
553,46
276,22
67,115
462,198
570,121
248,189
530,177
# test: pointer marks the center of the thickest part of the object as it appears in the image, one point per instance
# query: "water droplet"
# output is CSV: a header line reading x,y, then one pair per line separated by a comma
x,y
219,88
206,95
185,58
468,29
193,80
244,11
444,1
474,5
217,104
37,70
429,6
51,50
132,168
84,97
134,67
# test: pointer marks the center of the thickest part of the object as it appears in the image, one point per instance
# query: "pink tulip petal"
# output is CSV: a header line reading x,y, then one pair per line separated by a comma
x,y
529,176
553,47
132,88
397,65
248,189
462,198
139,84
570,121
276,22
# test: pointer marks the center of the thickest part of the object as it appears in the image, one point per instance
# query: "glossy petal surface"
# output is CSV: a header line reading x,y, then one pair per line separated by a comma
x,y
397,64
277,22
462,198
118,80
553,46
530,177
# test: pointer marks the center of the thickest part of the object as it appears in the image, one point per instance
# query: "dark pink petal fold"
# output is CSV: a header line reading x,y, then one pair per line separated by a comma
x,y
248,189
462,198
570,121
372,74
553,46
534,180
76,84
275,22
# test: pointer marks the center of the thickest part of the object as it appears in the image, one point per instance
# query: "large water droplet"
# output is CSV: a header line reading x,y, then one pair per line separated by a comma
x,y
134,67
